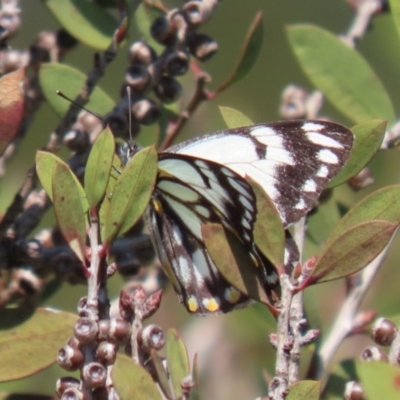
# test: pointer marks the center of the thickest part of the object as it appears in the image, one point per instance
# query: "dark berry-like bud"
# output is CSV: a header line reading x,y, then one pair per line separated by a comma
x,y
66,382
168,89
137,78
383,331
106,353
65,41
141,53
176,63
198,12
74,343
146,112
86,330
353,391
73,394
372,353
77,140
94,375
70,358
120,331
202,47
151,337
161,30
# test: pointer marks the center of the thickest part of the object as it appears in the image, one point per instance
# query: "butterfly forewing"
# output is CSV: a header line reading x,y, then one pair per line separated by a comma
x,y
291,160
201,181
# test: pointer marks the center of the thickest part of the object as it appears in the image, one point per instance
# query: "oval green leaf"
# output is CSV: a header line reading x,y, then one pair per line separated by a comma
x,y
383,204
54,76
98,167
352,251
341,73
269,234
32,346
379,380
178,362
234,118
233,261
45,164
368,139
85,20
131,381
304,390
395,12
132,193
249,53
70,214
321,222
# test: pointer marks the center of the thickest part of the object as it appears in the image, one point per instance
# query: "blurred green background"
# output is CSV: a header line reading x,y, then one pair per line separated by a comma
x,y
233,350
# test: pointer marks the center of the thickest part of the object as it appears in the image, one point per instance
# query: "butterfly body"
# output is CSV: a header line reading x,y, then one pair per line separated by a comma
x,y
202,180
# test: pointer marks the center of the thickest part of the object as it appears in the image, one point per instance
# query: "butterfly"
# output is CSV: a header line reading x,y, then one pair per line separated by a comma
x,y
202,180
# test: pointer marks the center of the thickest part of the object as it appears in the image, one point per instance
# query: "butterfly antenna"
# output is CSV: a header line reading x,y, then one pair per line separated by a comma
x,y
128,91
61,94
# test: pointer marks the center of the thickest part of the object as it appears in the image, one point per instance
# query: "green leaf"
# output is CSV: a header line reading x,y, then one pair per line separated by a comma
x,y
195,391
249,53
304,390
70,214
131,381
383,204
45,164
29,348
132,193
379,380
178,363
341,73
54,76
395,12
84,20
233,261
368,138
323,221
269,234
234,118
98,167
352,250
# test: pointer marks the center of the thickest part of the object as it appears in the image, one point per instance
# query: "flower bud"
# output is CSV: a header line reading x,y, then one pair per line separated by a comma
x,y
146,112
94,375
70,358
202,47
383,332
86,330
120,331
168,89
176,63
106,353
372,353
73,394
353,391
66,382
151,337
141,53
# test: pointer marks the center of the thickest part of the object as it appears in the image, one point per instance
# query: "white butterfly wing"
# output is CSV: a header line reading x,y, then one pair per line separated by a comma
x,y
291,160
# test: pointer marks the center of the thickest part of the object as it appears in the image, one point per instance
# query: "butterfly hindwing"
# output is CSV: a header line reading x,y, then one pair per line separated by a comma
x,y
201,181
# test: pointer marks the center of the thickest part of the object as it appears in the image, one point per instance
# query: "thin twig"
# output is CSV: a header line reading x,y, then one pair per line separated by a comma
x,y
343,324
